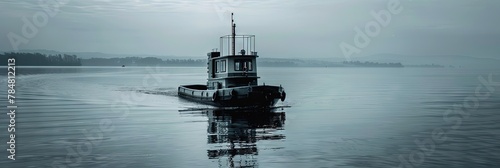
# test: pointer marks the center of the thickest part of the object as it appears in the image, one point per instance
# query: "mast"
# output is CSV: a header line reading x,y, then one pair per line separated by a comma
x,y
233,38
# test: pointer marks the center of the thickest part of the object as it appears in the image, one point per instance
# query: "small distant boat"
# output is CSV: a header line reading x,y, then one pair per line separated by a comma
x,y
232,78
123,65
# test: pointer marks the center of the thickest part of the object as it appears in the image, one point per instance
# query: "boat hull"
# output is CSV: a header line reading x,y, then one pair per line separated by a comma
x,y
243,96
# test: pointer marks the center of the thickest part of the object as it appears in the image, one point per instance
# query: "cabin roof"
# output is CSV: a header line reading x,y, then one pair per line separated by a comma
x,y
235,56
234,77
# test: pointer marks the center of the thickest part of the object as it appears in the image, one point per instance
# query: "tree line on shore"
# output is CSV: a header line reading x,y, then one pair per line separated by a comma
x,y
38,59
138,61
372,64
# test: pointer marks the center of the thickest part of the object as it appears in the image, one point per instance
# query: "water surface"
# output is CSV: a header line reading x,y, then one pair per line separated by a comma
x,y
339,117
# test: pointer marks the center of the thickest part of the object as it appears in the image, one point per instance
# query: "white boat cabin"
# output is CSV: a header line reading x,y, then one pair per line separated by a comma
x,y
226,70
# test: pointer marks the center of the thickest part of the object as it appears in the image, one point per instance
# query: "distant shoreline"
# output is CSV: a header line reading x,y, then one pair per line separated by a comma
x,y
109,66
58,60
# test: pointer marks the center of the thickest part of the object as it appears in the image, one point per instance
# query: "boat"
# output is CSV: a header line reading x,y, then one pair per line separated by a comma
x,y
232,77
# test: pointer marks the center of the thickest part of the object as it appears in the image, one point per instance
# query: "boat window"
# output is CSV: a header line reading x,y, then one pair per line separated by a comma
x,y
249,65
220,66
223,64
217,66
237,65
243,65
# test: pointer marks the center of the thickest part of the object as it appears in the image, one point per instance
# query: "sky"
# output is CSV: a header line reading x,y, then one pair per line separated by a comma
x,y
283,28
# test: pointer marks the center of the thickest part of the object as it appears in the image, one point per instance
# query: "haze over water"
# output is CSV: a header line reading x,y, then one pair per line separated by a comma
x,y
339,117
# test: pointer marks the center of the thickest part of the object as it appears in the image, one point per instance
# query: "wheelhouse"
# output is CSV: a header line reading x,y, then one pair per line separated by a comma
x,y
226,68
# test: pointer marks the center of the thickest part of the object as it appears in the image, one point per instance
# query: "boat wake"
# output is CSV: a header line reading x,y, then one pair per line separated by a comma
x,y
247,109
156,91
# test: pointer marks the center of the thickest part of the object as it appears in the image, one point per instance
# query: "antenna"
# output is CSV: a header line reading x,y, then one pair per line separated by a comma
x,y
233,27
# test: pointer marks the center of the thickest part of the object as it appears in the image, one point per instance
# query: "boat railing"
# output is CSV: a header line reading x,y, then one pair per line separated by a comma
x,y
244,45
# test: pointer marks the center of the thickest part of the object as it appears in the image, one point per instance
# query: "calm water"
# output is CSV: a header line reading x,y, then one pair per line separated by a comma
x,y
339,117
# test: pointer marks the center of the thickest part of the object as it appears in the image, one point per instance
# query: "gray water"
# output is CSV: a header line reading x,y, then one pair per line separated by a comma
x,y
339,117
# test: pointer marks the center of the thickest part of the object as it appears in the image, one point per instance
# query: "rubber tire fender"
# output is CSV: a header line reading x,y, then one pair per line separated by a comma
x,y
283,96
234,94
215,96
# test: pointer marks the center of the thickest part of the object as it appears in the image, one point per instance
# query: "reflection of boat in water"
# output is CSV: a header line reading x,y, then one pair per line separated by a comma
x,y
232,78
234,132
